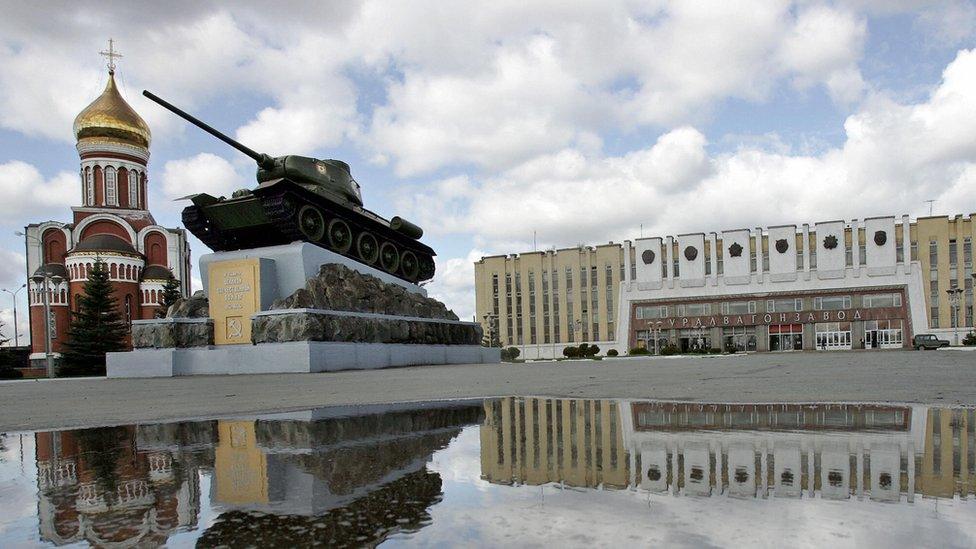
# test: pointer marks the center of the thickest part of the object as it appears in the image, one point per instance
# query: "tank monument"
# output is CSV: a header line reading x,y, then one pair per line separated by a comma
x,y
303,278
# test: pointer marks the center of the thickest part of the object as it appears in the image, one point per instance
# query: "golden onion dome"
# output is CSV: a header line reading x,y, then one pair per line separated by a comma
x,y
110,118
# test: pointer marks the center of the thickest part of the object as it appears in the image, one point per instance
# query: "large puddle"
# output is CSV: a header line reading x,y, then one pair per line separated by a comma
x,y
511,471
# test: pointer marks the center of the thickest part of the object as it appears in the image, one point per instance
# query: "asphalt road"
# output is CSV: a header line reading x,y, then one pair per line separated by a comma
x,y
935,377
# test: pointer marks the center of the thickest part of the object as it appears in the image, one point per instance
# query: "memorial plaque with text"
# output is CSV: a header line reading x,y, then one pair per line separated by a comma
x,y
235,295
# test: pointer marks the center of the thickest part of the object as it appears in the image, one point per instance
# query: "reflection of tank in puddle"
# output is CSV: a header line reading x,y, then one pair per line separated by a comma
x,y
398,506
307,464
337,477
98,486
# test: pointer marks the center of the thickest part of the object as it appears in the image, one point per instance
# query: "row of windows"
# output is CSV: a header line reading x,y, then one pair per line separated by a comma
x,y
820,303
110,196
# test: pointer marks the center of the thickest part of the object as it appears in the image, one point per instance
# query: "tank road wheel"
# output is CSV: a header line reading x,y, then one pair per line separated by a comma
x,y
311,223
389,257
409,265
368,248
340,236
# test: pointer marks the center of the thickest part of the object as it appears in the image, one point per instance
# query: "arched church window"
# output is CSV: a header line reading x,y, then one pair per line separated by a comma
x,y
89,187
111,187
133,189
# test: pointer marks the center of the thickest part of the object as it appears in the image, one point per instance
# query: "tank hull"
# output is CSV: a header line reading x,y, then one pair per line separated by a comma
x,y
282,211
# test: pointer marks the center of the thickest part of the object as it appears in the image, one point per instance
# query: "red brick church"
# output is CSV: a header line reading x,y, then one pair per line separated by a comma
x,y
112,223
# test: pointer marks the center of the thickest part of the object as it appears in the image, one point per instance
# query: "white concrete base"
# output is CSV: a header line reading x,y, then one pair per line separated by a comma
x,y
292,357
294,264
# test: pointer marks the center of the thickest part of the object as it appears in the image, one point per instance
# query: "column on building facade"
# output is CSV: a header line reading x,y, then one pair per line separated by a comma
x,y
669,261
758,243
713,257
906,242
626,262
806,250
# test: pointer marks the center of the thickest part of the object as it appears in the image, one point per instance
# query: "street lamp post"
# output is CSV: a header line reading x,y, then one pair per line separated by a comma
x,y
13,296
954,295
43,279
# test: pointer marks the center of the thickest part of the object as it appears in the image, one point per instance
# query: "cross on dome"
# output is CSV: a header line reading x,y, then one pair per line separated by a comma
x,y
111,54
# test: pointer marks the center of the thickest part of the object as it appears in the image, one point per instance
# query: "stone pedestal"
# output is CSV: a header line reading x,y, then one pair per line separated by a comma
x,y
338,318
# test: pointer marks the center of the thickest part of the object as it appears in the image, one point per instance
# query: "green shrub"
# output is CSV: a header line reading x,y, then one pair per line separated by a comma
x,y
714,351
670,349
510,354
970,339
571,351
638,351
592,350
612,352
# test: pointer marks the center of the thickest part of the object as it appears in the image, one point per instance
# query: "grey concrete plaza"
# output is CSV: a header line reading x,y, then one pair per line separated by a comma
x,y
934,377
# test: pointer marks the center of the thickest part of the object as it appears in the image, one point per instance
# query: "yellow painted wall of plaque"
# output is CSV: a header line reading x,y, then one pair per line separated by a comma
x,y
235,295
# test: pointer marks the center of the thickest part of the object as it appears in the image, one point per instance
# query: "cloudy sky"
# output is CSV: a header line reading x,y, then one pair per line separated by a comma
x,y
488,122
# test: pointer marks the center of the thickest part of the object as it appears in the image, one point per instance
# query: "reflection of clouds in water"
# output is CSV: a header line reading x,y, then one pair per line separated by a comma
x,y
477,513
19,517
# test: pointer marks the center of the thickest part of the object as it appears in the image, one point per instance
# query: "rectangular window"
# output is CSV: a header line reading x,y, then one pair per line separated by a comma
x,y
720,265
832,303
569,280
738,307
133,189
882,300
593,277
799,260
848,257
967,251
862,255
651,312
694,309
765,257
914,250
677,269
111,188
570,322
784,305
934,322
953,253
582,277
934,289
933,254
752,262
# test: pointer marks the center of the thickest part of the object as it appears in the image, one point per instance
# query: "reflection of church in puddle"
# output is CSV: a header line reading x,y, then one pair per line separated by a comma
x,y
121,486
293,478
836,451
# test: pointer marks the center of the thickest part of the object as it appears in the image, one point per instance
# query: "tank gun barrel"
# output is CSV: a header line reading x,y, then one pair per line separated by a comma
x,y
263,160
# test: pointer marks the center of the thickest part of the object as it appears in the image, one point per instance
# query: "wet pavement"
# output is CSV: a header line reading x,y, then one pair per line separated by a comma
x,y
936,378
511,471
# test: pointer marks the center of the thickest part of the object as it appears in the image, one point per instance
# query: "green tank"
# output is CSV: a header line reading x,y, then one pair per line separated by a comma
x,y
304,199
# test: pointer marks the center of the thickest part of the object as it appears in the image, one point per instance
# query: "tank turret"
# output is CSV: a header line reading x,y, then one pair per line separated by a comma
x,y
299,198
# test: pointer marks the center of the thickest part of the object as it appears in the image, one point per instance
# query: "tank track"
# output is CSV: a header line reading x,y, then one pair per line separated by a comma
x,y
282,206
197,223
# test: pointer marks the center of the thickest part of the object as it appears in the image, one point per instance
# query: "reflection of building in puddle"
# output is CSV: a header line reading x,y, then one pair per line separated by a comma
x,y
541,440
102,487
835,450
338,480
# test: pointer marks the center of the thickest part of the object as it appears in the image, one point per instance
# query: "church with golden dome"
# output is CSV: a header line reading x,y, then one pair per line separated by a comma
x,y
111,223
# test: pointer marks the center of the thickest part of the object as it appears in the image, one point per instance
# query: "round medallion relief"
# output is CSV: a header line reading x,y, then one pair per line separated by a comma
x,y
880,237
691,253
735,250
830,242
782,245
647,257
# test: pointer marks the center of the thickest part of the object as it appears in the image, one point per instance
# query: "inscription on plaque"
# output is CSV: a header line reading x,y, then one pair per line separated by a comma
x,y
234,296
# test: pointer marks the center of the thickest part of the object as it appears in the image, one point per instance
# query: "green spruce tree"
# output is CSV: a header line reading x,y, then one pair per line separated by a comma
x,y
96,327
171,294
